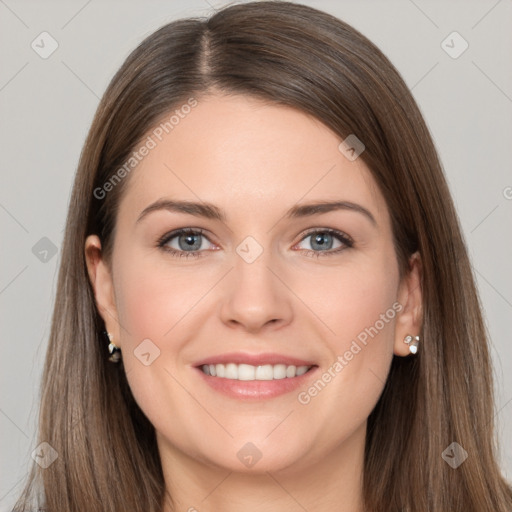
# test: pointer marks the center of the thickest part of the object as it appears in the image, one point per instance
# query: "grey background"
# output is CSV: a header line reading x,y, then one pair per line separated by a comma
x,y
47,106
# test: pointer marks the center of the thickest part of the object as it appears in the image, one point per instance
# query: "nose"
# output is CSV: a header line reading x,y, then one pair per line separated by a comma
x,y
256,296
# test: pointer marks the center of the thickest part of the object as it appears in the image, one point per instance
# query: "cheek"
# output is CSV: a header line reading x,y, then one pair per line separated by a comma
x,y
152,299
359,307
355,301
366,310
367,336
153,306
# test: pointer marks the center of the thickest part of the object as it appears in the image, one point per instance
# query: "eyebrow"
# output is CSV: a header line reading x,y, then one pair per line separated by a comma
x,y
210,211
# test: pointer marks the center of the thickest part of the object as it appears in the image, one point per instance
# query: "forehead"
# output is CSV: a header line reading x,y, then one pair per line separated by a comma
x,y
246,155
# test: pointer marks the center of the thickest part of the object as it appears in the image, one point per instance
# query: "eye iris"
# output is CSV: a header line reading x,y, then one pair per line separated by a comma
x,y
320,240
189,241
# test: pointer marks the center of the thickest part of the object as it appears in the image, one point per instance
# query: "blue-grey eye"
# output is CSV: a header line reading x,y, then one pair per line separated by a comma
x,y
187,241
322,241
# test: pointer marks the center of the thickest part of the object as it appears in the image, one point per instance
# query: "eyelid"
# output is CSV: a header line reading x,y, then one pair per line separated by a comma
x,y
166,237
345,240
332,231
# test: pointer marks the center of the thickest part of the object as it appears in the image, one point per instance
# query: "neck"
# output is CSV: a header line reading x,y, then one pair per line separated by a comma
x,y
331,483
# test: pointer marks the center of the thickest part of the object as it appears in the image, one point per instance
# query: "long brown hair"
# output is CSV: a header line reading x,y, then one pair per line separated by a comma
x,y
294,55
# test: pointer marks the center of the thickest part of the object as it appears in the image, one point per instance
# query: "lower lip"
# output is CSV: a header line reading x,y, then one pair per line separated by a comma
x,y
255,389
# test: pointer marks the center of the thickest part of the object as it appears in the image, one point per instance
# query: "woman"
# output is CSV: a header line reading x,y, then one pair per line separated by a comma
x,y
264,301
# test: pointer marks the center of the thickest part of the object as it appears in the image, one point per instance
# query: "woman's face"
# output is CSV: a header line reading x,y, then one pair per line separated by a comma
x,y
269,288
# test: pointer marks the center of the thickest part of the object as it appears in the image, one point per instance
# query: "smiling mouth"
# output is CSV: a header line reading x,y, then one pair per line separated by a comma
x,y
247,372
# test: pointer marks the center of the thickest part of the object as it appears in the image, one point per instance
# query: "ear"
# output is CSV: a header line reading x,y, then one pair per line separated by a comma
x,y
410,297
101,279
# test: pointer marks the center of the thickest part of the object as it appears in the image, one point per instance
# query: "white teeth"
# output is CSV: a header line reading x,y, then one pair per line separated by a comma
x,y
291,371
301,370
231,371
280,371
220,370
249,372
246,372
265,372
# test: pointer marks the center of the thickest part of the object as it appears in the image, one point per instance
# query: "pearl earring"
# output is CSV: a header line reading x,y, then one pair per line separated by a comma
x,y
115,351
412,341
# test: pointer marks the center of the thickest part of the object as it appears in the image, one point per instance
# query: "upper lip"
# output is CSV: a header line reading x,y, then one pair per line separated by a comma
x,y
255,359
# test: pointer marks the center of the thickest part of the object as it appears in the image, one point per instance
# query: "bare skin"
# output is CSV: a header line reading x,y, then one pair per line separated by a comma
x,y
255,161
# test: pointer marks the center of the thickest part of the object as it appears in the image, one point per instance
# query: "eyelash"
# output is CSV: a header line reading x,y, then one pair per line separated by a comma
x,y
342,237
